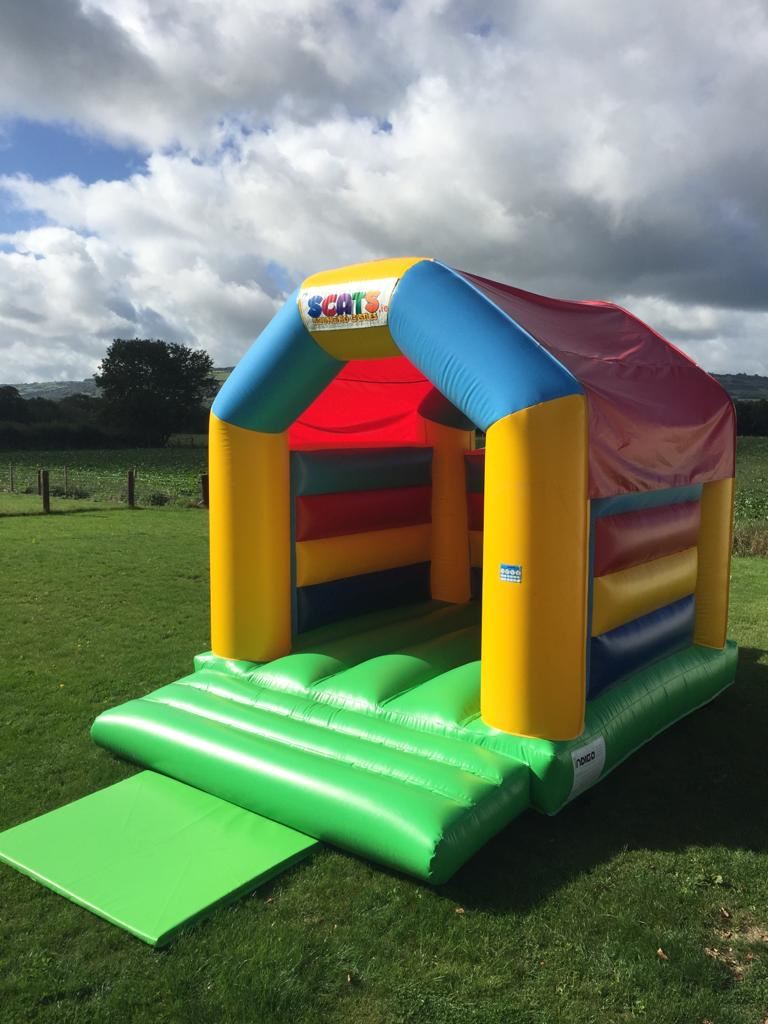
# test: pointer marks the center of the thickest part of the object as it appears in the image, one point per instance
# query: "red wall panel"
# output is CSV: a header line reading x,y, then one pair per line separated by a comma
x,y
335,515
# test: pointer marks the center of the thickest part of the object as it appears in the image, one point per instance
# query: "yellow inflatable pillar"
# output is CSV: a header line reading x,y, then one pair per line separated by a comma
x,y
450,579
535,567
250,542
714,571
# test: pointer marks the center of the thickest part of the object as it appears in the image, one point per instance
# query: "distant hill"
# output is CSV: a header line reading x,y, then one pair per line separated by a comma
x,y
743,385
738,385
55,390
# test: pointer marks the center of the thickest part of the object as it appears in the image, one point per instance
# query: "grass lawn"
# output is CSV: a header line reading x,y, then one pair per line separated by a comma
x,y
557,919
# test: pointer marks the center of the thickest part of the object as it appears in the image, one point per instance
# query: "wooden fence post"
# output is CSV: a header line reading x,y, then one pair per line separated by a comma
x,y
66,482
204,489
131,488
10,467
45,490
39,481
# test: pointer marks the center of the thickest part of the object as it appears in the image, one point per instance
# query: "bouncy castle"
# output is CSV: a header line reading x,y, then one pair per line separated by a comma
x,y
414,639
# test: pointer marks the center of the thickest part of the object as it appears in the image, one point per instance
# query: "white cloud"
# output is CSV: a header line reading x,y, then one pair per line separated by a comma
x,y
722,340
614,151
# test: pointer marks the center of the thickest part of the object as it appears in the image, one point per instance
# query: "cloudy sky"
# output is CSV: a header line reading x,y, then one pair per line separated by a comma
x,y
172,168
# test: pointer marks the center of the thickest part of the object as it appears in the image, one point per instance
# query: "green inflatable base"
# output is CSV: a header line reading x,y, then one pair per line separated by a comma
x,y
150,854
369,736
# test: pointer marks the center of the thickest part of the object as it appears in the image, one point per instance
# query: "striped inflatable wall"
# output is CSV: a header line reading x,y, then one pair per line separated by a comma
x,y
644,559
361,531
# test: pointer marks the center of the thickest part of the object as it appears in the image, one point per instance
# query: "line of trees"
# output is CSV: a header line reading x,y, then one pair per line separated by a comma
x,y
752,417
149,388
38,423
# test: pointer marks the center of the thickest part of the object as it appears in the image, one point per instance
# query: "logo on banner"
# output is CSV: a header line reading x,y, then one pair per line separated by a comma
x,y
355,304
588,764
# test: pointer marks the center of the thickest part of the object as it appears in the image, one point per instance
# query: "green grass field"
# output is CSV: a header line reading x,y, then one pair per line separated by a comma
x,y
557,919
752,480
751,506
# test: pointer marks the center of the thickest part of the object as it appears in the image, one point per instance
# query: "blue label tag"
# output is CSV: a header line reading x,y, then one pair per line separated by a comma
x,y
510,573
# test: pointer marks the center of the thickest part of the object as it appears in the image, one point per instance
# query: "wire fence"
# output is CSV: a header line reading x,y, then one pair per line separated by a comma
x,y
109,478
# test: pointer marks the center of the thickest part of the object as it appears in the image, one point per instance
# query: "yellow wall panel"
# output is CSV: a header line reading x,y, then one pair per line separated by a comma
x,y
250,543
449,572
623,596
714,571
361,343
537,519
334,558
373,270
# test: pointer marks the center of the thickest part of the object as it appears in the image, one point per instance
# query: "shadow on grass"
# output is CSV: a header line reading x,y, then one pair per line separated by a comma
x,y
57,512
94,509
701,783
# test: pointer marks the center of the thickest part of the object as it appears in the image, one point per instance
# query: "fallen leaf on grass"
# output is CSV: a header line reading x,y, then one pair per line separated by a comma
x,y
725,913
459,910
661,954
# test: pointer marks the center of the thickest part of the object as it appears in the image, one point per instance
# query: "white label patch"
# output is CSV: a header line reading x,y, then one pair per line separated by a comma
x,y
588,763
351,304
510,573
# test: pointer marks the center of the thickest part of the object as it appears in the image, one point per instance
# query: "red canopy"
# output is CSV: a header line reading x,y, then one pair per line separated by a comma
x,y
655,418
371,402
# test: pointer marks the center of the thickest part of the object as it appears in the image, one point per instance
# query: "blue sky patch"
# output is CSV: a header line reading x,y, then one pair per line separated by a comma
x,y
46,151
13,219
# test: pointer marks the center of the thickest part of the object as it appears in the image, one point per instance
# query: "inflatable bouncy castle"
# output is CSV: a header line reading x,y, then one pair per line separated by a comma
x,y
415,639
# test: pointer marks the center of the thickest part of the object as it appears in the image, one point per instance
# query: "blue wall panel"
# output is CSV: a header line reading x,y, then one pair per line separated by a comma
x,y
360,469
639,643
644,499
322,603
474,467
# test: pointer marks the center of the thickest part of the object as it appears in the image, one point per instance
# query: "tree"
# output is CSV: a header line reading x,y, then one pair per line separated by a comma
x,y
13,408
152,388
42,410
81,408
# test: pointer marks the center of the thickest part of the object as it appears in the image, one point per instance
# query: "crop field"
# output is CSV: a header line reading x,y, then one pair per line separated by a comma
x,y
164,476
171,476
751,511
752,480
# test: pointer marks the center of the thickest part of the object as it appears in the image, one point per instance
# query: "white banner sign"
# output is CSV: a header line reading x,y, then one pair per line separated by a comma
x,y
588,763
353,304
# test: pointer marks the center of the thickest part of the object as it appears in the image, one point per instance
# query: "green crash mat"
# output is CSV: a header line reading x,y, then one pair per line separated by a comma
x,y
151,854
